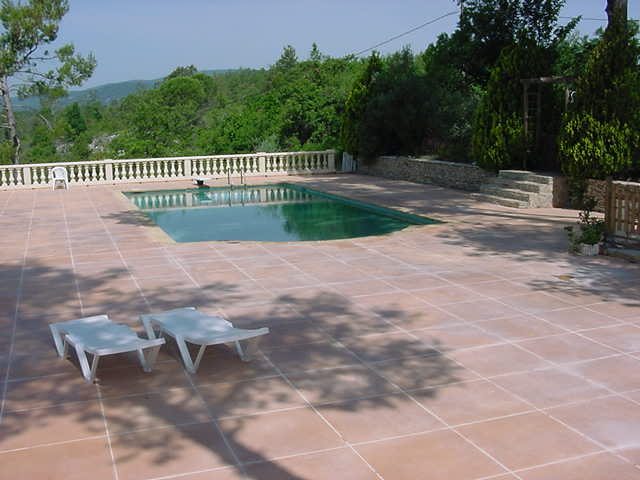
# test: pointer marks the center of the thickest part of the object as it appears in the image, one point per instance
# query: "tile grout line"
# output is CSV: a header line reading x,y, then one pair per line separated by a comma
x,y
321,404
518,343
555,462
69,246
365,442
314,409
117,248
506,341
344,367
537,409
487,454
250,463
556,365
7,202
194,386
322,417
19,287
99,391
501,388
432,413
213,420
568,331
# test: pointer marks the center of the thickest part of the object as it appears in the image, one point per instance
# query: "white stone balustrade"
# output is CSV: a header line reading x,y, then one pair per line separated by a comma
x,y
34,175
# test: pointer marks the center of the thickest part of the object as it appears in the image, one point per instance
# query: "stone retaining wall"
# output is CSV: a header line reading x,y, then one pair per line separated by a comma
x,y
598,190
426,170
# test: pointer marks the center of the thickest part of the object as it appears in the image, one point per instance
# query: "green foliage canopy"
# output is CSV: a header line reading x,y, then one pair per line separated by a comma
x,y
600,135
27,27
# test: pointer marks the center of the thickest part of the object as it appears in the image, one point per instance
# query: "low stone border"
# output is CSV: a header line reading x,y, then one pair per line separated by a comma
x,y
462,176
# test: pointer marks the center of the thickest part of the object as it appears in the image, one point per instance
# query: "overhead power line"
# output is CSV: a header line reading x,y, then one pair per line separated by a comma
x,y
405,33
587,18
591,19
389,40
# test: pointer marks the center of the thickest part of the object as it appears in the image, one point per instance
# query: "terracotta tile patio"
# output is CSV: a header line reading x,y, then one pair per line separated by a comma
x,y
475,349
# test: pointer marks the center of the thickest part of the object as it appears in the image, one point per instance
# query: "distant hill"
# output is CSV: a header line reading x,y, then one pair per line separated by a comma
x,y
104,93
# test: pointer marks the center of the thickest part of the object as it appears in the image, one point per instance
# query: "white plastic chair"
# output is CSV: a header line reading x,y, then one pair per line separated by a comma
x,y
190,325
100,336
59,174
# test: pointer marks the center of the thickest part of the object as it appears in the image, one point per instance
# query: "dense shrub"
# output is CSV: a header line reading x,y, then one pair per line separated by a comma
x,y
406,105
451,101
600,134
352,132
590,148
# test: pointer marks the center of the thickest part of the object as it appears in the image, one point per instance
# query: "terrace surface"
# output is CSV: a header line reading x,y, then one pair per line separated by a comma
x,y
474,349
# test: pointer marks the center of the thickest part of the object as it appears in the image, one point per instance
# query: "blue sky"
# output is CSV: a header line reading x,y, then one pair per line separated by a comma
x,y
146,39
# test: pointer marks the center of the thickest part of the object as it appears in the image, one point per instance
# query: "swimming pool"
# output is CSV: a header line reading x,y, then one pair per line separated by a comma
x,y
276,213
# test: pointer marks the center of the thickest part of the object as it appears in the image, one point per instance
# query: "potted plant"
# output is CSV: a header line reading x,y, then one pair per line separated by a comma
x,y
586,236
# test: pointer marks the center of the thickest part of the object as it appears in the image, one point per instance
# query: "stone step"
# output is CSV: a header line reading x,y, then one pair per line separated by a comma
x,y
500,191
525,176
505,202
532,187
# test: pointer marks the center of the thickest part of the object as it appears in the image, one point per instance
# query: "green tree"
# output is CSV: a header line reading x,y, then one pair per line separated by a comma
x,y
315,55
451,101
600,135
526,43
26,28
288,59
75,122
42,147
356,104
188,71
498,135
162,121
486,27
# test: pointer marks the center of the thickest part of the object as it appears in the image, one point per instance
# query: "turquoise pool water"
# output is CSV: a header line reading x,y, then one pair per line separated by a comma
x,y
276,213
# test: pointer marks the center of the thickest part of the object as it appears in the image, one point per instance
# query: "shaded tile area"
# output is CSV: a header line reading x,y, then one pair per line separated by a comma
x,y
317,466
152,410
168,451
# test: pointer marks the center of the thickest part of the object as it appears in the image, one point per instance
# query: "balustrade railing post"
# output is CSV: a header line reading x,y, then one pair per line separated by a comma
x,y
262,163
108,171
187,167
26,176
331,160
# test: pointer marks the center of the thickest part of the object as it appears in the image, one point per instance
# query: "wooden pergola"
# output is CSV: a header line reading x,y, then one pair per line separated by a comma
x,y
531,104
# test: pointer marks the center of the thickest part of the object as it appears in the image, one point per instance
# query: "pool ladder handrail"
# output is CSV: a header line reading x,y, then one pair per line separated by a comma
x,y
242,179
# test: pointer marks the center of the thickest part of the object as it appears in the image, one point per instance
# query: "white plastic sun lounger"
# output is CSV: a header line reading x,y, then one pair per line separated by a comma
x,y
190,325
99,336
